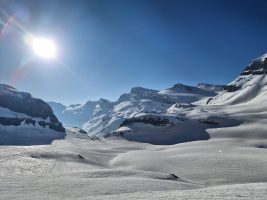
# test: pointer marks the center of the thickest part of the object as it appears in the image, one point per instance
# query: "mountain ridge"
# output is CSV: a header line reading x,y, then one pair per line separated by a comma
x,y
103,116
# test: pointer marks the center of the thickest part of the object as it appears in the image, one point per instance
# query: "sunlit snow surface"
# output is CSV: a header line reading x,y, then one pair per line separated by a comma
x,y
80,168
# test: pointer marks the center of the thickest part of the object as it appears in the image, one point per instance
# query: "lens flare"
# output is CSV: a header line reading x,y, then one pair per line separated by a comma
x,y
43,47
6,25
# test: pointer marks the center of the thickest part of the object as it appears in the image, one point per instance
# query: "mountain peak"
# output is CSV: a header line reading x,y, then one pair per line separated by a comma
x,y
104,101
262,58
257,66
9,90
182,87
7,87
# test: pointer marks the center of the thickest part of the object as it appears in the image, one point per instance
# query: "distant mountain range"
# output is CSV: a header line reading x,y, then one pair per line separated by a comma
x,y
102,117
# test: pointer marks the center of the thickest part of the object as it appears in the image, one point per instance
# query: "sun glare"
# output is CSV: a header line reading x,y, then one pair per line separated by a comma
x,y
44,47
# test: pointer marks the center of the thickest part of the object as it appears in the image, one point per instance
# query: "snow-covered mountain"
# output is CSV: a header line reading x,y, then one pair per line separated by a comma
x,y
100,118
243,101
76,115
251,85
26,120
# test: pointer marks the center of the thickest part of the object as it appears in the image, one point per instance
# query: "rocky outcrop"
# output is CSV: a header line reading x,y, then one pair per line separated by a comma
x,y
147,119
257,67
231,88
7,121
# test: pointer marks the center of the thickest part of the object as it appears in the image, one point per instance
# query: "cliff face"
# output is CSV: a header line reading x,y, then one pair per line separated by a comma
x,y
257,66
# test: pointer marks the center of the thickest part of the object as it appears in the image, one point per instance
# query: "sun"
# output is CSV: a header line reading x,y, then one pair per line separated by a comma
x,y
44,47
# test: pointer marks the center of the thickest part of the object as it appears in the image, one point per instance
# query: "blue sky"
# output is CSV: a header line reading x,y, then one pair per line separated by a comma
x,y
106,47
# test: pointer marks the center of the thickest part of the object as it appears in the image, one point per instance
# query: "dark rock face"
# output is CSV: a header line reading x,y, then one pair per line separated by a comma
x,y
82,131
30,121
257,67
10,121
6,121
148,119
210,122
184,105
208,101
53,126
231,88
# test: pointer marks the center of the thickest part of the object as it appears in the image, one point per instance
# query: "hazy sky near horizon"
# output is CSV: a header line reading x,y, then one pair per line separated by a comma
x,y
106,47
